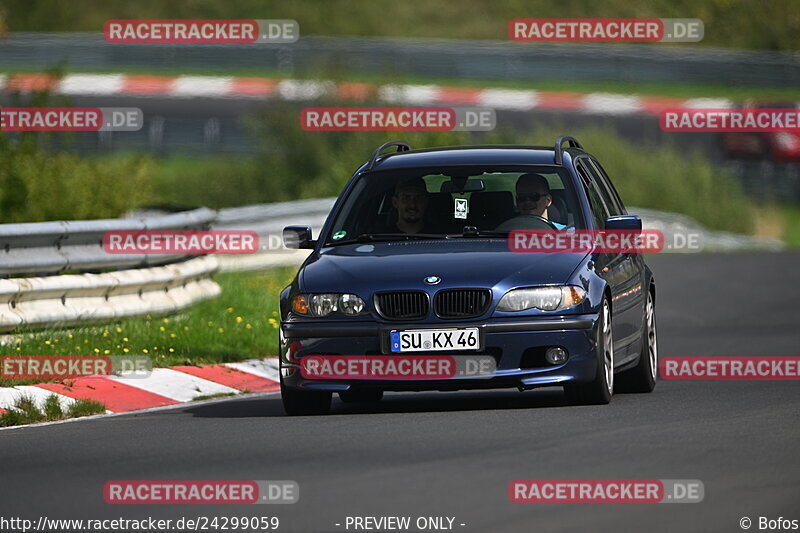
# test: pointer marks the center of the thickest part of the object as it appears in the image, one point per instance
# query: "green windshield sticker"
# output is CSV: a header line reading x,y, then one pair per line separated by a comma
x,y
339,235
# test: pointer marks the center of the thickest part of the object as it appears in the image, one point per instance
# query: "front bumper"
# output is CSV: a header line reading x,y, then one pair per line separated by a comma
x,y
517,346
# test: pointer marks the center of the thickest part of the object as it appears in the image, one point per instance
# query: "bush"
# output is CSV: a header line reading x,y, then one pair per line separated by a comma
x,y
306,164
36,185
667,179
292,163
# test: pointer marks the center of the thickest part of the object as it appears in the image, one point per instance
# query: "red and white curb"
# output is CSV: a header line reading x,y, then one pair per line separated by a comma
x,y
305,90
163,387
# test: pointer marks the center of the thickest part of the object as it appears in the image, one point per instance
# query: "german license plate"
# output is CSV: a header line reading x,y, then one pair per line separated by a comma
x,y
434,340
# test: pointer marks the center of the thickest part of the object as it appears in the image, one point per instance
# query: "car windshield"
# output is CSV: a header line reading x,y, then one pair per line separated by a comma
x,y
474,201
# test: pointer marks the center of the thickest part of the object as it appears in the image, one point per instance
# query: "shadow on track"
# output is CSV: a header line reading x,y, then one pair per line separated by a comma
x,y
394,403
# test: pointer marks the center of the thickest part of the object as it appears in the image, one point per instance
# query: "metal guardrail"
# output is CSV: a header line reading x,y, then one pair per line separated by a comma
x,y
268,221
53,247
490,60
69,299
138,285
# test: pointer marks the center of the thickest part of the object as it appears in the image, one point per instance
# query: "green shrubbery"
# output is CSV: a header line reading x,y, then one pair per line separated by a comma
x,y
669,179
242,323
292,163
37,185
734,23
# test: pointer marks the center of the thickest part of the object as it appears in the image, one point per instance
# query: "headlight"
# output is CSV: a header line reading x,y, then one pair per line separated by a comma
x,y
322,305
544,298
350,304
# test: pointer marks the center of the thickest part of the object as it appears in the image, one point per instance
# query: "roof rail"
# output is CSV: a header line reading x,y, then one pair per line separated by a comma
x,y
573,143
401,147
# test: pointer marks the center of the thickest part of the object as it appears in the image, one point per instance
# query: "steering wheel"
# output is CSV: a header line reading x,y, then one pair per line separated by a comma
x,y
526,222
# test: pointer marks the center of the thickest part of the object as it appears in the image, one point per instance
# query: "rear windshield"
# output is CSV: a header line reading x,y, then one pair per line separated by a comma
x,y
445,200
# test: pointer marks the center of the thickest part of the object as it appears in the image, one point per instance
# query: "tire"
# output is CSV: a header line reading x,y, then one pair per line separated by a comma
x,y
354,395
297,402
642,377
600,390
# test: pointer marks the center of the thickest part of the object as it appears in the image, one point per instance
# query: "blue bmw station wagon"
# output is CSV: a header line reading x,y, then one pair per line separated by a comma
x,y
415,258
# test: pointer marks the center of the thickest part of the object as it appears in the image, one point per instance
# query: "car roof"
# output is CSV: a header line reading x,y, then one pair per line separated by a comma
x,y
472,155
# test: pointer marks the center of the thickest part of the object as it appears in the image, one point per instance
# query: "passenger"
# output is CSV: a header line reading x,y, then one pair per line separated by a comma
x,y
533,199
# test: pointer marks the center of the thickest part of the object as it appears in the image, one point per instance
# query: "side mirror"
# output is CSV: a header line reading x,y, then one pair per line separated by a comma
x,y
297,237
624,223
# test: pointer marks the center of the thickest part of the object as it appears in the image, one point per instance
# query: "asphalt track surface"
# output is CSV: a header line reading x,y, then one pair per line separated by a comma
x,y
454,454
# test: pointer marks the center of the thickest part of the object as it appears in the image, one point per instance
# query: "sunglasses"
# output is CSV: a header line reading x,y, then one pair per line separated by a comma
x,y
535,197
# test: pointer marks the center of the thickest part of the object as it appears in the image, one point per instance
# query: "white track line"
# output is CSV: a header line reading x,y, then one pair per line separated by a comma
x,y
93,84
142,411
409,94
708,103
611,104
265,368
214,86
294,90
508,99
176,385
9,395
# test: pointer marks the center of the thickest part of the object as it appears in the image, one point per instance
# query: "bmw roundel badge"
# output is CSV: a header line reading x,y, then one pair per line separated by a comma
x,y
432,280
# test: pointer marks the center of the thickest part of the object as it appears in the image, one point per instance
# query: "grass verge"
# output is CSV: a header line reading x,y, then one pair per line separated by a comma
x,y
26,411
240,324
790,215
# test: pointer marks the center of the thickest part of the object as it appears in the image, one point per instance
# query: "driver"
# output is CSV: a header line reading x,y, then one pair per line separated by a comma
x,y
533,199
410,199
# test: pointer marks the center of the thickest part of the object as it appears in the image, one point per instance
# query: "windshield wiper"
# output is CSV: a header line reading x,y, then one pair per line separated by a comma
x,y
478,233
388,237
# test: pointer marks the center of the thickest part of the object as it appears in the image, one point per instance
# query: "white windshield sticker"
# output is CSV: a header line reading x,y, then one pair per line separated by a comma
x,y
462,208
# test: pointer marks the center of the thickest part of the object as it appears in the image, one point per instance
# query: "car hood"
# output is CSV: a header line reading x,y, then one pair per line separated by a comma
x,y
459,263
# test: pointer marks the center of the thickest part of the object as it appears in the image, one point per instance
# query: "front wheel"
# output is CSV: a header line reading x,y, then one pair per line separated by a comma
x,y
642,377
297,402
600,390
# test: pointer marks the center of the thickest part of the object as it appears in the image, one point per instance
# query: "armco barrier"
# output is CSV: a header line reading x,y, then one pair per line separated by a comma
x,y
53,247
70,299
442,58
268,220
129,290
59,275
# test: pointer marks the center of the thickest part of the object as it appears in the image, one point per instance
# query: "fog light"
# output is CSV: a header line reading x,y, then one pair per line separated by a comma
x,y
556,356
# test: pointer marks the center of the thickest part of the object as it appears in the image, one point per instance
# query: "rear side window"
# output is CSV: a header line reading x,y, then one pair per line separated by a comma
x,y
599,210
607,189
